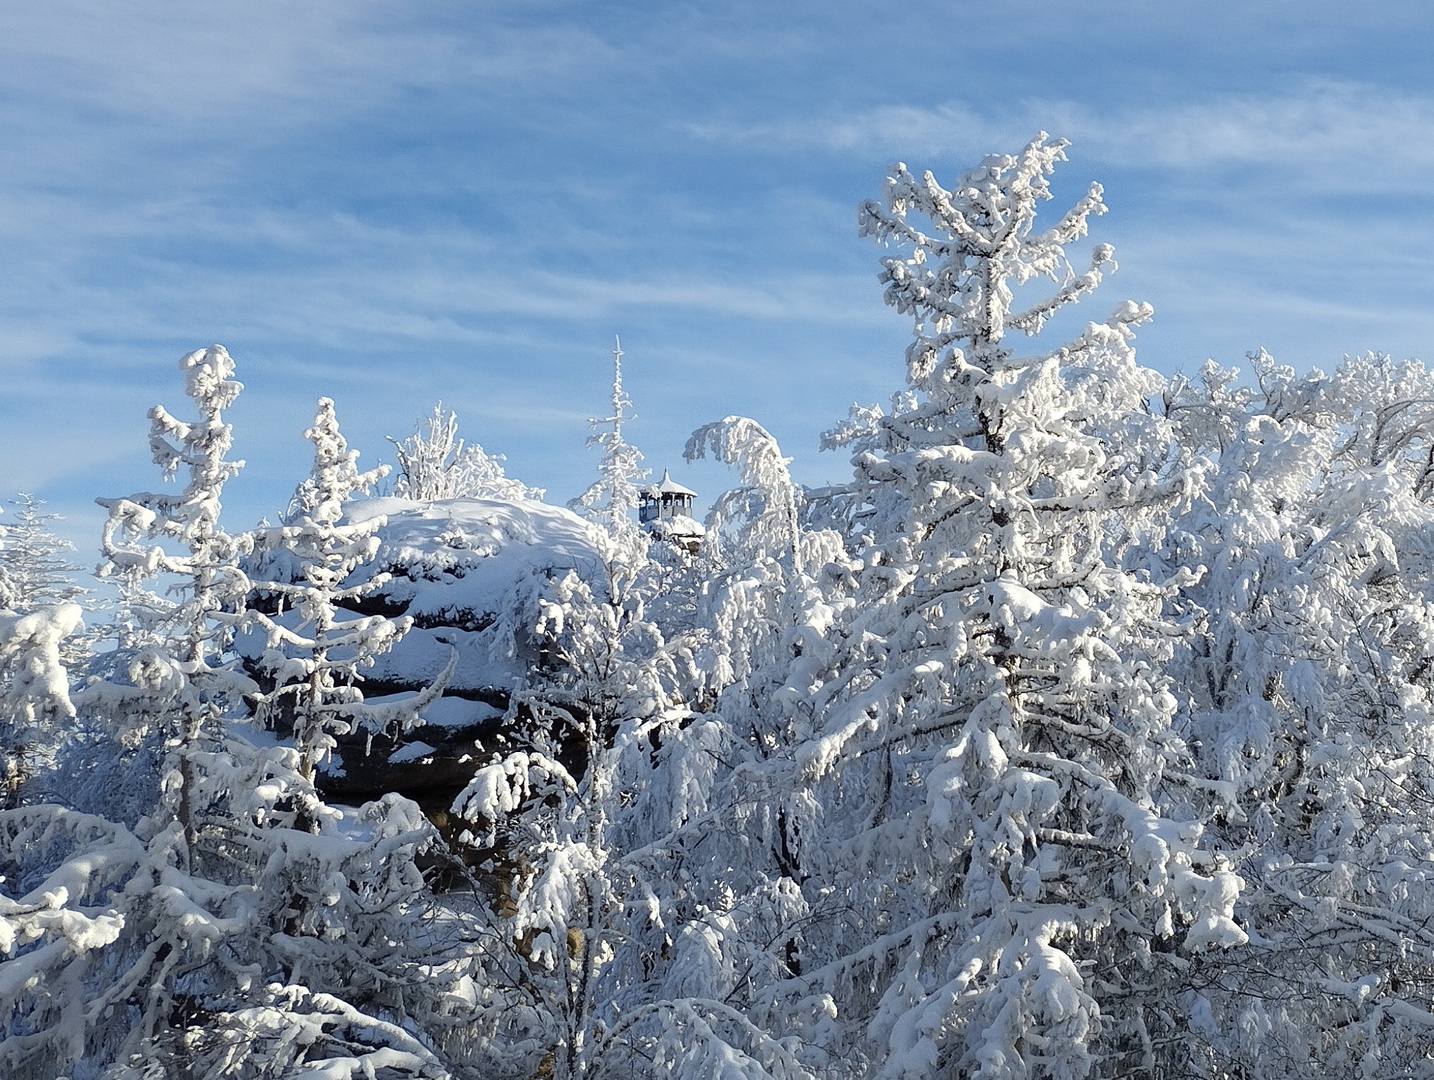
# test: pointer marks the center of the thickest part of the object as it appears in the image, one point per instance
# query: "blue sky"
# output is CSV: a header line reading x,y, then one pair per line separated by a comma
x,y
395,202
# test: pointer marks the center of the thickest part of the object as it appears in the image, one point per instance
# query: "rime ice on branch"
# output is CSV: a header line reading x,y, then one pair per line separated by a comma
x,y
437,464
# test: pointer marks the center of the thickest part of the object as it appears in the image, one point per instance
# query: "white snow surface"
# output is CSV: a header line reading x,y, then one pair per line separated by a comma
x,y
413,751
474,563
456,712
466,553
678,525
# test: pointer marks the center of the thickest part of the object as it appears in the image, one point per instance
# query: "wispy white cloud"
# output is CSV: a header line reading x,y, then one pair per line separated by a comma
x,y
211,60
1344,136
339,282
1336,135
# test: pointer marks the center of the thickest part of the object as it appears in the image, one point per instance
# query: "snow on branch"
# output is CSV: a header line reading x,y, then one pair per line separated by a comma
x,y
434,463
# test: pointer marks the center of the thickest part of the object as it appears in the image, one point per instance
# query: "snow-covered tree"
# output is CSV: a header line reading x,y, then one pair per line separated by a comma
x,y
1002,859
595,631
759,591
38,644
611,499
614,904
434,463
172,694
335,478
313,660
188,687
33,558
236,927
1310,696
34,691
614,896
572,914
760,514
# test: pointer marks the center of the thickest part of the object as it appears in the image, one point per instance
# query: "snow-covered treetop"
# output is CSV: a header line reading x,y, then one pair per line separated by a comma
x,y
621,403
192,515
955,281
614,495
437,464
763,508
200,446
33,566
336,477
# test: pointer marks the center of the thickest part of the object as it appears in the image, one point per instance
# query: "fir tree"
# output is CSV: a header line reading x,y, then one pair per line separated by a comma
x,y
317,688
1006,861
610,501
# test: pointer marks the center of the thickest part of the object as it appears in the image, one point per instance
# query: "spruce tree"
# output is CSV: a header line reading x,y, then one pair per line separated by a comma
x,y
1004,867
238,927
314,658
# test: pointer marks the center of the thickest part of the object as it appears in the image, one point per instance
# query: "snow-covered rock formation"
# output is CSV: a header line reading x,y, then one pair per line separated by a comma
x,y
467,572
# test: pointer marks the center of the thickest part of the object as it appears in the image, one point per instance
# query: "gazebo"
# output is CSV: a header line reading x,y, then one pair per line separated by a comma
x,y
664,501
665,511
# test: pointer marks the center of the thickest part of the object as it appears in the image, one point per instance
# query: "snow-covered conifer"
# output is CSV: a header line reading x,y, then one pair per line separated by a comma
x,y
336,477
314,659
174,693
188,686
33,557
38,644
612,498
216,934
1311,703
34,690
1007,872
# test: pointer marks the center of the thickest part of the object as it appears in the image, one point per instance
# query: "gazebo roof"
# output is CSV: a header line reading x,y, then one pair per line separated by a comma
x,y
668,486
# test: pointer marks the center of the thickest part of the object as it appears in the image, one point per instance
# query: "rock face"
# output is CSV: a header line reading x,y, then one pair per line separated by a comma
x,y
429,763
467,572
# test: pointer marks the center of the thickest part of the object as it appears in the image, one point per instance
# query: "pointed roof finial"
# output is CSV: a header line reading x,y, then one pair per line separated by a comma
x,y
670,486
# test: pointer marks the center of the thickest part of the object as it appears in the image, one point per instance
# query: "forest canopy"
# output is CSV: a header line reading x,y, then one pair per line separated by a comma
x,y
1084,731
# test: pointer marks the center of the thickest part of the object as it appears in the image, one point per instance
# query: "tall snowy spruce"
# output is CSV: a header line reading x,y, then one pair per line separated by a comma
x,y
1005,874
186,683
611,500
